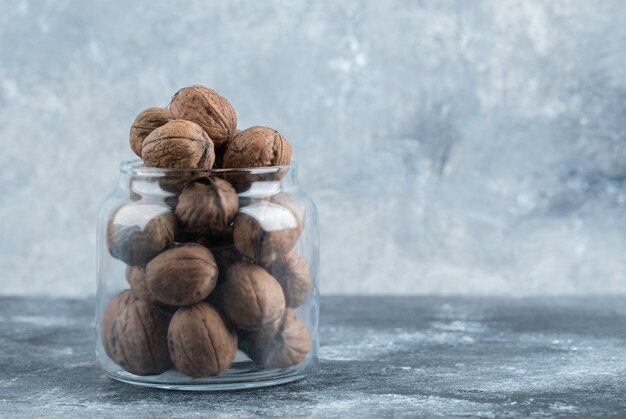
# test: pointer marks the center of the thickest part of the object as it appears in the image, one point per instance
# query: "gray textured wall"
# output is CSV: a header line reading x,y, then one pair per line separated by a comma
x,y
451,147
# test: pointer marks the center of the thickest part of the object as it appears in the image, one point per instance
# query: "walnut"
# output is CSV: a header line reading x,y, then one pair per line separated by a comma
x,y
139,231
183,275
109,314
257,147
180,145
251,297
216,238
265,230
136,337
286,200
289,346
200,343
224,257
207,206
292,273
136,278
208,109
146,122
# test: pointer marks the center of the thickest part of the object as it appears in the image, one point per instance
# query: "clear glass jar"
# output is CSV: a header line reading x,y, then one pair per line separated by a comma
x,y
207,279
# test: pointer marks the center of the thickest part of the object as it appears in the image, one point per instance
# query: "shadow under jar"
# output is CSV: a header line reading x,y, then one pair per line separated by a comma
x,y
207,279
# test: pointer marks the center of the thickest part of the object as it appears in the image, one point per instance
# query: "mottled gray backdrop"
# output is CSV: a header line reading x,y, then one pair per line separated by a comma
x,y
473,147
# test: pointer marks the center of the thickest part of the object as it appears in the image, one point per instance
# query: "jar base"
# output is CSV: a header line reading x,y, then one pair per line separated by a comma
x,y
231,379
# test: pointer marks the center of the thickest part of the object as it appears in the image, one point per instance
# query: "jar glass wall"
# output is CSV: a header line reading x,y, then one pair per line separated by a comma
x,y
207,279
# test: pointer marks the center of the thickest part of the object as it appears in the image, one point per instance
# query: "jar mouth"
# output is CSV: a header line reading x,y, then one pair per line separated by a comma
x,y
135,167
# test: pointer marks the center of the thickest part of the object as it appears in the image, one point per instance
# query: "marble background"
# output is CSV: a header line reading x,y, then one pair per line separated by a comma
x,y
468,147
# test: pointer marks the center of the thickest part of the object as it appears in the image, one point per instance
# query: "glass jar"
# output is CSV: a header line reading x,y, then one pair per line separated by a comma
x,y
207,279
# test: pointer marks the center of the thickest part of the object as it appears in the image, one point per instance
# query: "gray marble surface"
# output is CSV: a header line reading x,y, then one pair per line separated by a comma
x,y
415,356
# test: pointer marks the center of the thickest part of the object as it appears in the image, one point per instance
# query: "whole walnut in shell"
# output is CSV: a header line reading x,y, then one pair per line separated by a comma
x,y
200,342
257,147
139,231
183,275
136,278
207,205
110,313
179,145
289,346
136,337
292,273
224,257
208,109
265,230
251,297
286,200
214,238
146,122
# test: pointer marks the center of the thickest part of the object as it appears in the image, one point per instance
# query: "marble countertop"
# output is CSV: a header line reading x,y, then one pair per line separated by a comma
x,y
379,356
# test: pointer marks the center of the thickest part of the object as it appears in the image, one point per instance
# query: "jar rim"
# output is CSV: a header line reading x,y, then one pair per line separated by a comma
x,y
134,167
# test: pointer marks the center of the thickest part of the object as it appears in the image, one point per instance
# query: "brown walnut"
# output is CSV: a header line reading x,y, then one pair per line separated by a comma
x,y
257,147
200,343
286,200
183,275
208,109
292,273
139,231
136,278
289,346
265,230
251,297
207,206
109,315
146,122
178,144
136,338
224,257
215,238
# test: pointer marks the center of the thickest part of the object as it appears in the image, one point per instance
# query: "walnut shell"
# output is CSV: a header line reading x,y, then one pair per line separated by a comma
x,y
286,200
137,338
207,205
183,275
200,343
251,297
216,238
180,145
289,346
208,109
257,147
146,122
109,315
224,257
292,273
139,231
265,230
136,278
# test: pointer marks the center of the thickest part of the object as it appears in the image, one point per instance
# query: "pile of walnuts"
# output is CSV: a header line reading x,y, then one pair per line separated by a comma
x,y
210,270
